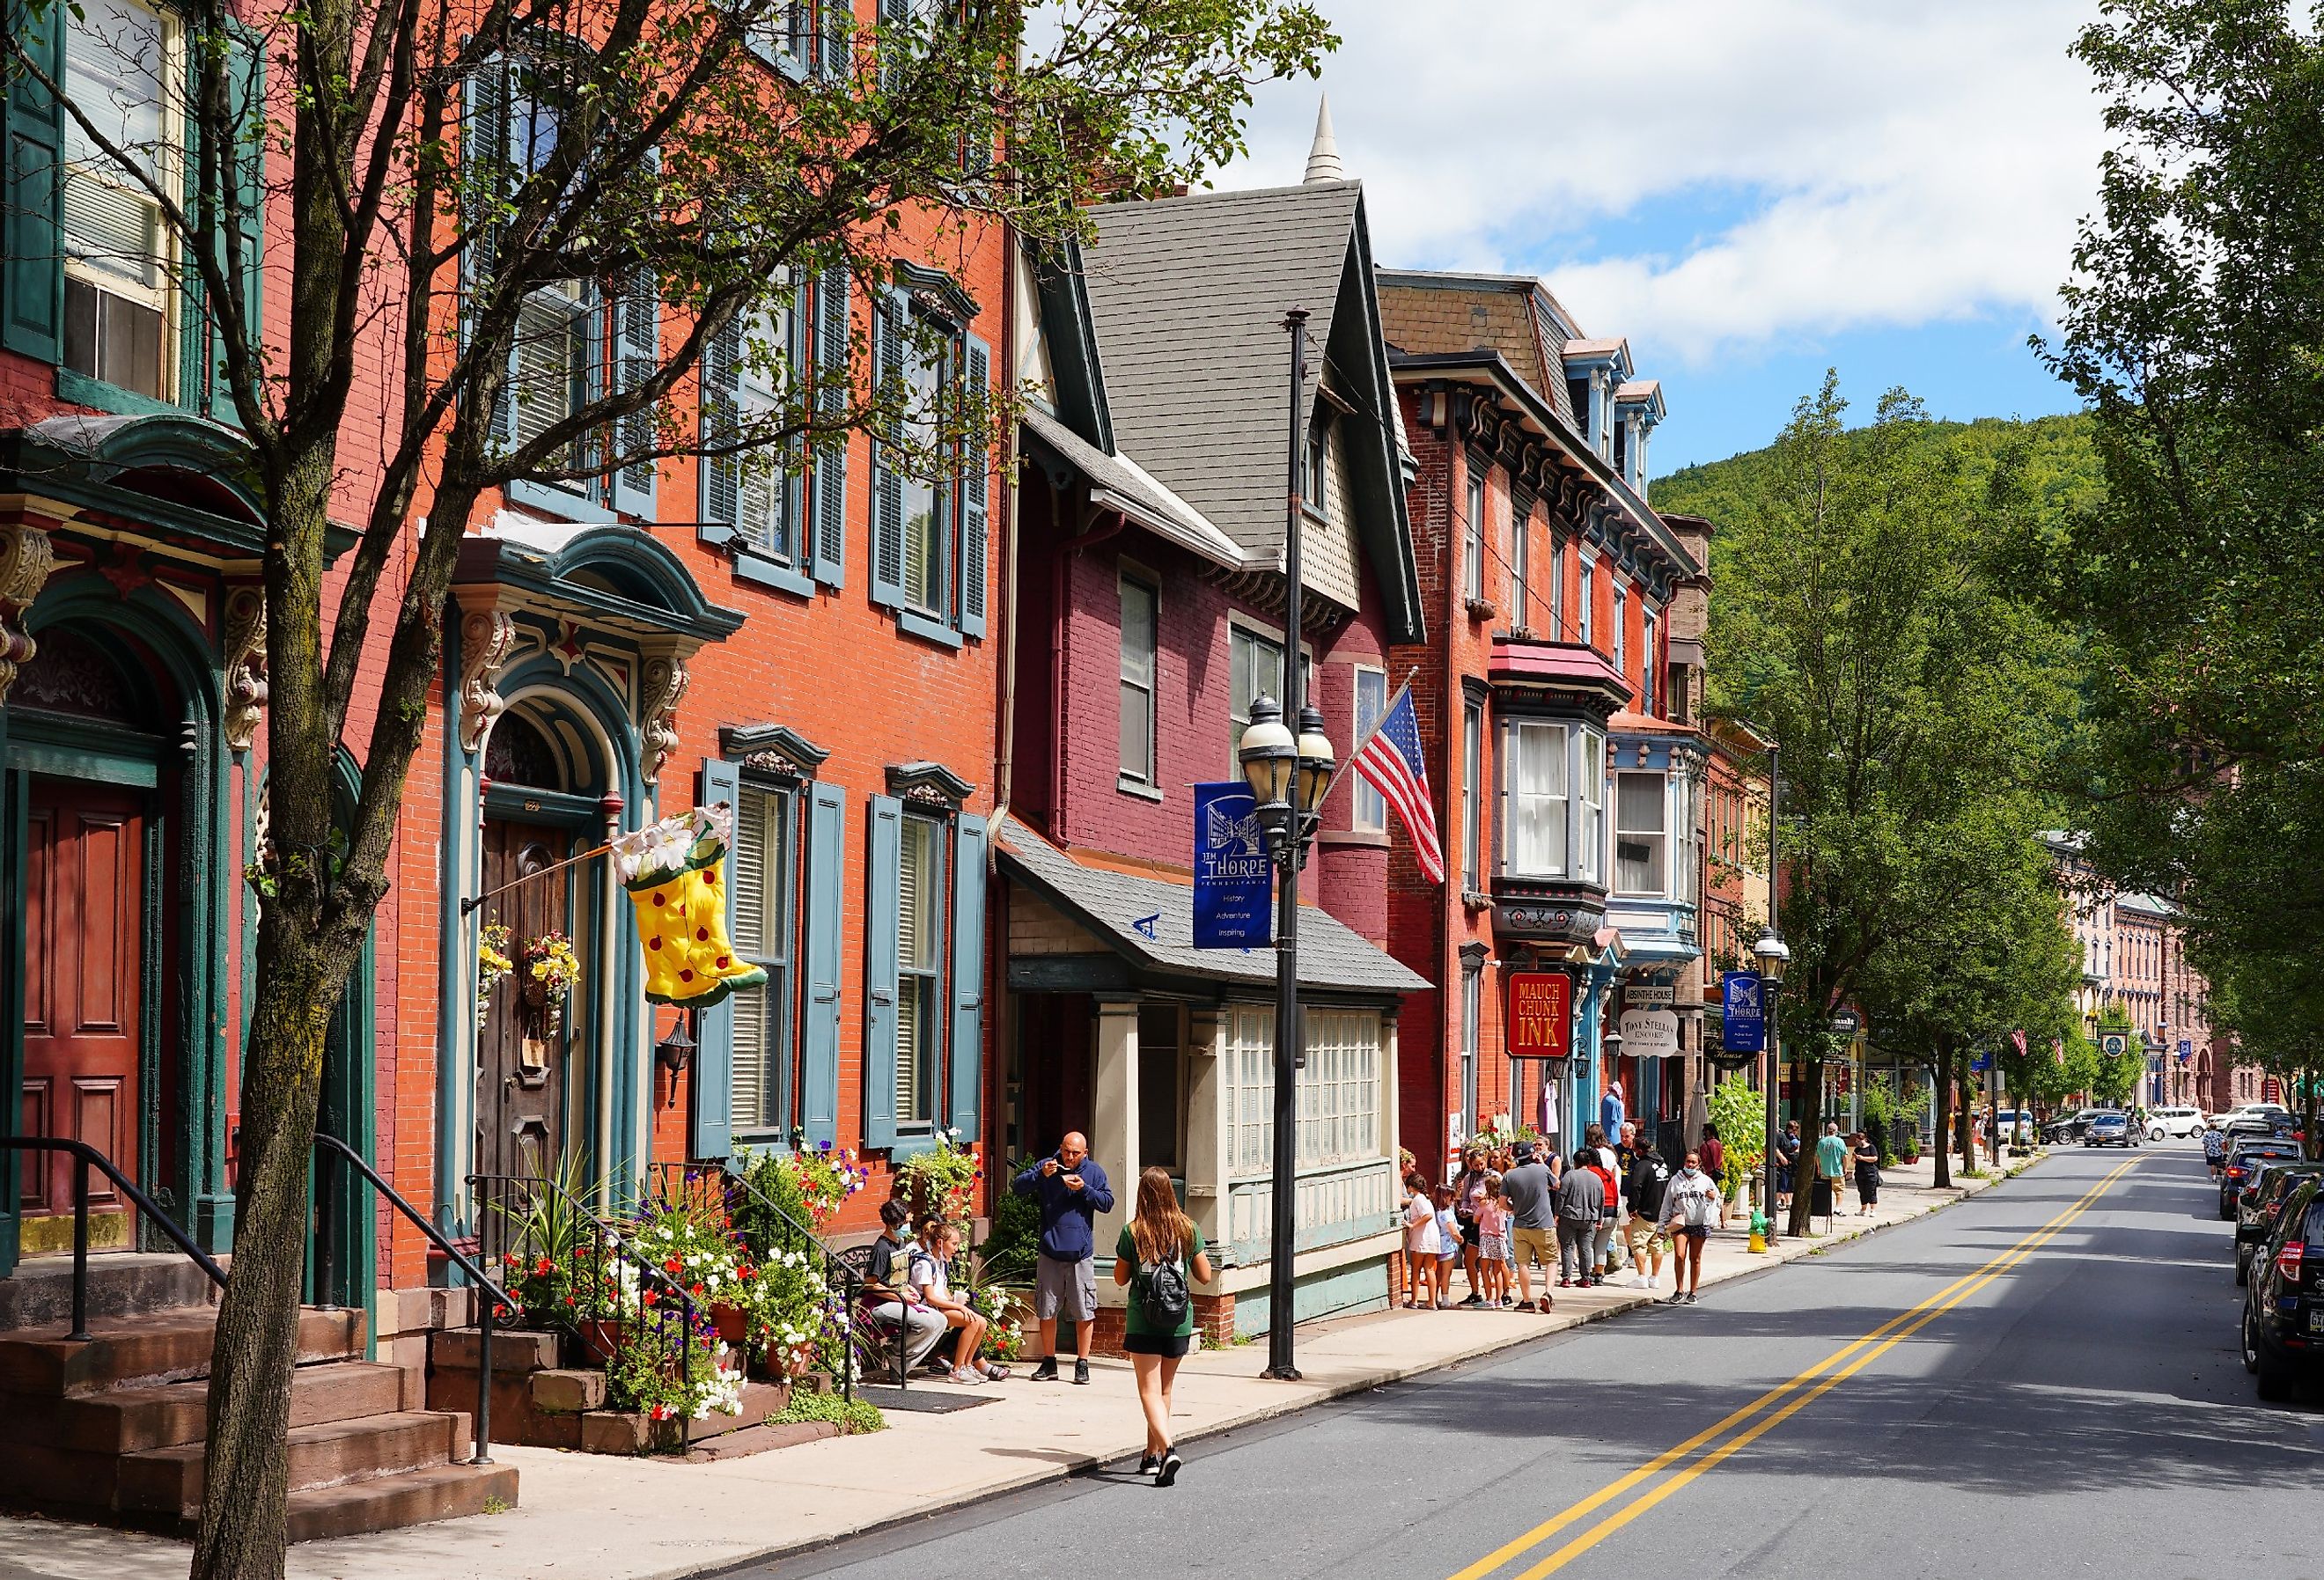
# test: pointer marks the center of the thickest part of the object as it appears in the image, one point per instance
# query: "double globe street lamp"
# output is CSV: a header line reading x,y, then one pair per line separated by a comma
x,y
1288,776
1774,957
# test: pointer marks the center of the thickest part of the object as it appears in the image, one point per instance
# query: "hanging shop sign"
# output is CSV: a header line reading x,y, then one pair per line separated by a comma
x,y
1649,1033
1234,883
1539,1021
1743,1011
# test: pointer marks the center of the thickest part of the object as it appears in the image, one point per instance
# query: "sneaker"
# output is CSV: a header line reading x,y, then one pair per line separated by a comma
x,y
1046,1371
1169,1472
1677,1298
1080,1371
1474,1300
1689,1297
1148,1464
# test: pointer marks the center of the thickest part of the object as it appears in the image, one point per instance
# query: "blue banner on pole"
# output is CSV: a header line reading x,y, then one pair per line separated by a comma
x,y
1234,883
1742,1011
2186,1049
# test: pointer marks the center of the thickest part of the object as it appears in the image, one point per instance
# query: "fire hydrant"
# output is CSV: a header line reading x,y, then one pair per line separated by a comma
x,y
1759,1231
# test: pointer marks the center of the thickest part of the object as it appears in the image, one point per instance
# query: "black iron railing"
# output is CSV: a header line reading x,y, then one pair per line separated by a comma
x,y
617,1290
766,1225
332,1153
85,1157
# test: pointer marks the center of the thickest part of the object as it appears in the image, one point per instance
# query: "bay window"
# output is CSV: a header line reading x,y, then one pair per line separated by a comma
x,y
1537,777
1255,670
1641,834
1589,861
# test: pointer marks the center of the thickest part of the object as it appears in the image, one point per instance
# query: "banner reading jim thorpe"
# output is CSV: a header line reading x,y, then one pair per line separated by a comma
x,y
1234,883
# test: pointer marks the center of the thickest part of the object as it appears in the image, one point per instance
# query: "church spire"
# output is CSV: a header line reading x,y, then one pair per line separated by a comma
x,y
1323,158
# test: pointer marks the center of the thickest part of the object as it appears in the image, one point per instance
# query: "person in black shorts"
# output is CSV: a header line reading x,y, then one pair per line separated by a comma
x,y
1161,1234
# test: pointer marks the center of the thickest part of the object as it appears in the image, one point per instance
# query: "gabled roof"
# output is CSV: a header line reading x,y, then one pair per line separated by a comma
x,y
1188,295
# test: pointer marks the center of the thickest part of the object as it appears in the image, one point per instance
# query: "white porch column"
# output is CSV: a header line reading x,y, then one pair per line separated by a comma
x,y
1113,1129
1388,1095
1207,1122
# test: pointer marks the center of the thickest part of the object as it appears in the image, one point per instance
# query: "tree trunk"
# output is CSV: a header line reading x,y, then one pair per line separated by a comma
x,y
1938,1139
245,1494
1810,1104
1965,1130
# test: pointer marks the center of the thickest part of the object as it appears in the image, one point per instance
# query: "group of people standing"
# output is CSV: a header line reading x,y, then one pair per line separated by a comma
x,y
1512,1211
1834,1160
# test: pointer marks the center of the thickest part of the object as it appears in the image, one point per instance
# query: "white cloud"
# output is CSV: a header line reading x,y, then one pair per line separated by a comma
x,y
1845,165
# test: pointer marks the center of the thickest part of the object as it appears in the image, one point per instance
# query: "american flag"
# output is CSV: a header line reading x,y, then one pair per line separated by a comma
x,y
1389,760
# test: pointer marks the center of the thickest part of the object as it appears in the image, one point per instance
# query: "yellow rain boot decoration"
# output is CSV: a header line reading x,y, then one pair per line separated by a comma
x,y
675,874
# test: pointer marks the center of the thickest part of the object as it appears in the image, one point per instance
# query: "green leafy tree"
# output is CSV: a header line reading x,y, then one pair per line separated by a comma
x,y
425,169
1859,618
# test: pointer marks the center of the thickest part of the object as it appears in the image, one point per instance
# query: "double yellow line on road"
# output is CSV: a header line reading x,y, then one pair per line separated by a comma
x,y
1792,1397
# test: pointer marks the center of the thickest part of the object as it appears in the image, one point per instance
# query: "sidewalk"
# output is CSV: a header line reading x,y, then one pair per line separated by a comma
x,y
607,1519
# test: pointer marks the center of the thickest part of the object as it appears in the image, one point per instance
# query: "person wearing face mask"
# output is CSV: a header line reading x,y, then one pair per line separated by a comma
x,y
1691,1203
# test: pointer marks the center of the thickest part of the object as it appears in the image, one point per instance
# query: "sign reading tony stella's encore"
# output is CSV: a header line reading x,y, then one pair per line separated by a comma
x,y
1540,1021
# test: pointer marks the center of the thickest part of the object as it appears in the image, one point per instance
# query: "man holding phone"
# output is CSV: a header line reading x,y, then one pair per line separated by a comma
x,y
1073,1190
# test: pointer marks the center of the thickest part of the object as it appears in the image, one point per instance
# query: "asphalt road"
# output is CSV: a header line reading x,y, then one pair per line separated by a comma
x,y
2046,1384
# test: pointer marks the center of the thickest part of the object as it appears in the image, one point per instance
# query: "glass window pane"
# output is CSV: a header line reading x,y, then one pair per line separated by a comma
x,y
1370,810
1137,732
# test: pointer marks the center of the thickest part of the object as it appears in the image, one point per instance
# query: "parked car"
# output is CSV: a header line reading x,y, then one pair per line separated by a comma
x,y
2245,1155
2172,1123
2260,1204
2070,1127
2283,1307
2270,1112
2110,1127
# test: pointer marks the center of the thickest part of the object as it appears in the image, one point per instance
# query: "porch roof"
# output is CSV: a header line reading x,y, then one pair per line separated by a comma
x,y
1113,905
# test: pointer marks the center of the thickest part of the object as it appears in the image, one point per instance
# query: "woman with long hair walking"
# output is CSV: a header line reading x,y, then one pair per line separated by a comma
x,y
1159,1258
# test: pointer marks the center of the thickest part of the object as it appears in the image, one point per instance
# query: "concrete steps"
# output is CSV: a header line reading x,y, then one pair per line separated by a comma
x,y
112,1429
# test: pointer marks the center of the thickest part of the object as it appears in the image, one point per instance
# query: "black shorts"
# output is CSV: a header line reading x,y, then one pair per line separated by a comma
x,y
1169,1345
1469,1232
1695,1231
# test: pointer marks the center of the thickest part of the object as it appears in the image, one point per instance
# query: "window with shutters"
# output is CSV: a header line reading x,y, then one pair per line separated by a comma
x,y
932,479
763,900
919,972
1138,654
122,68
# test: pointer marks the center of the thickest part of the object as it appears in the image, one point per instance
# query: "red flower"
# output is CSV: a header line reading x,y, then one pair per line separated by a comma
x,y
670,1266
746,1271
649,1296
545,1267
695,1290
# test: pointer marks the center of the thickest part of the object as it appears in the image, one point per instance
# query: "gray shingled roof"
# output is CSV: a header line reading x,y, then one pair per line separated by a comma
x,y
1108,902
1121,483
1188,294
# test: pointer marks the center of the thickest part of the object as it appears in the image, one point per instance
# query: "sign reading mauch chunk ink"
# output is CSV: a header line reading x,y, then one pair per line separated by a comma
x,y
1234,883
1540,1022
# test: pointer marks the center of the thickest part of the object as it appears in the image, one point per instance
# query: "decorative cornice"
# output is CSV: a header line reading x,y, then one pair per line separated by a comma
x,y
666,680
26,558
246,666
933,290
773,749
929,785
487,640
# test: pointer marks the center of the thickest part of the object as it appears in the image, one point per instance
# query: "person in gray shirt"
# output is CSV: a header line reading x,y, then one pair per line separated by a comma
x,y
1581,1202
1527,1189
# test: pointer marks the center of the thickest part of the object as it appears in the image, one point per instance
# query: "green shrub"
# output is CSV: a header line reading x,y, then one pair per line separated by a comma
x,y
851,1415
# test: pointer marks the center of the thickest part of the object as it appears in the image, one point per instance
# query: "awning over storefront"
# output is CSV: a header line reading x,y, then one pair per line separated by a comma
x,y
1143,925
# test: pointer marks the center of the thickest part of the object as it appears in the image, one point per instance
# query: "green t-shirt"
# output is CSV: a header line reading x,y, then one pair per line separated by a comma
x,y
1831,1157
1126,1249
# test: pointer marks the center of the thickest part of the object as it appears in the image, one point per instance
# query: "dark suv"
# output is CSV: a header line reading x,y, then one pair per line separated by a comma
x,y
2262,1201
2245,1155
2283,1307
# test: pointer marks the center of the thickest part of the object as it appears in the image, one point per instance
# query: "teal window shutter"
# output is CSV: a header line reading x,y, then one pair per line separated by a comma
x,y
247,82
826,884
722,476
887,482
976,495
486,175
32,217
837,51
884,876
968,977
637,353
829,527
710,1134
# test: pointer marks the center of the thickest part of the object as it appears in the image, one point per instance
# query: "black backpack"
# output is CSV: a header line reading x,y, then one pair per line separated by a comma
x,y
1163,1298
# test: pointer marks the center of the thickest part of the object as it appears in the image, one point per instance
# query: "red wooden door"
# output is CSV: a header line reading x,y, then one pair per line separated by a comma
x,y
84,973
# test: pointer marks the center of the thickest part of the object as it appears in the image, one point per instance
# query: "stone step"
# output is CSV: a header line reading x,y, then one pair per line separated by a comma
x,y
325,1454
141,1351
440,1492
124,1421
123,1283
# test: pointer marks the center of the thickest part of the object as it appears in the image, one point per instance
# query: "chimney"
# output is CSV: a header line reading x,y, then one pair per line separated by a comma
x,y
1323,158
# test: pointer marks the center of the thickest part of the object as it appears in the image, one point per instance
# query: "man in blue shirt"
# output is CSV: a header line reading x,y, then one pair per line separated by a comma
x,y
1072,1189
1611,1109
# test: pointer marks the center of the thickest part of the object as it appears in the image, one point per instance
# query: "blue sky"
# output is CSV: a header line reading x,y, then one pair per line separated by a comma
x,y
1749,190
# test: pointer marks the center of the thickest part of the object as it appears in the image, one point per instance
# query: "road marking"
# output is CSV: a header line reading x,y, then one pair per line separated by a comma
x,y
1850,1359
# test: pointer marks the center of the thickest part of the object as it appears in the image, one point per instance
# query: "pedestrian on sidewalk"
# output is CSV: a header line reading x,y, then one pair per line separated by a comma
x,y
1611,1110
1581,1201
1448,1241
1158,1258
1689,1207
1867,1174
1712,1155
1645,1184
933,1249
1493,1244
1072,1190
1787,1162
1609,1208
1469,1194
1424,1243
1528,1190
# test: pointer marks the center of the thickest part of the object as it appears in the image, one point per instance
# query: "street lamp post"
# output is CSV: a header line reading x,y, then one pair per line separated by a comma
x,y
1774,957
1288,776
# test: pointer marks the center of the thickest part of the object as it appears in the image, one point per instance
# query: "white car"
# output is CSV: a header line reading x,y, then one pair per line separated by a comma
x,y
2269,1112
2177,1124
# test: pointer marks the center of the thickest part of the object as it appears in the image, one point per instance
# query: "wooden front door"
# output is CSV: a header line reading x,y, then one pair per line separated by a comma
x,y
521,1074
85,907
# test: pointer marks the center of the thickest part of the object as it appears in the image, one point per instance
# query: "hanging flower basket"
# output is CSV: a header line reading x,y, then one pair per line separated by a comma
x,y
549,968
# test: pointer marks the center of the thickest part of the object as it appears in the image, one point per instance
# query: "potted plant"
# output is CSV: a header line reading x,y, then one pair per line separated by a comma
x,y
942,1182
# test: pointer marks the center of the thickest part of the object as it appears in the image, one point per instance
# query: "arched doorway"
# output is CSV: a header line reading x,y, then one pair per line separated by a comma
x,y
546,786
92,768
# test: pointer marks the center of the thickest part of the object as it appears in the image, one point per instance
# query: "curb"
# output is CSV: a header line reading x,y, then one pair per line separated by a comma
x,y
1558,1325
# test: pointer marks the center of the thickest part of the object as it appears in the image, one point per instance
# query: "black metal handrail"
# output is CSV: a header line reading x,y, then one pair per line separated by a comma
x,y
86,1155
490,1298
846,1288
503,1200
